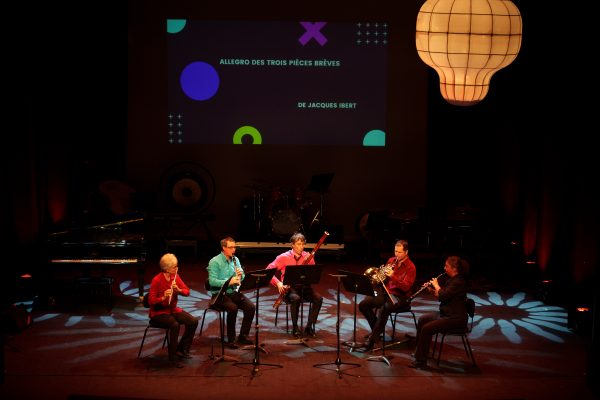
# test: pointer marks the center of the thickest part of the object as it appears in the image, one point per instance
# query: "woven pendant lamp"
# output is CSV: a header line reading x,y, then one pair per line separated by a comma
x,y
466,42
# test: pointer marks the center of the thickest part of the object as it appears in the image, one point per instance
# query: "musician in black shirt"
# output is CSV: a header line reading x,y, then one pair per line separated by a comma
x,y
452,313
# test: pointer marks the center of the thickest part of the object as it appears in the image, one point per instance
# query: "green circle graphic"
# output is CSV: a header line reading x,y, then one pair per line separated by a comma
x,y
247,130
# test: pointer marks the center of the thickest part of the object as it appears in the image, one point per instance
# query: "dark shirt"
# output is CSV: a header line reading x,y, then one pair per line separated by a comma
x,y
453,296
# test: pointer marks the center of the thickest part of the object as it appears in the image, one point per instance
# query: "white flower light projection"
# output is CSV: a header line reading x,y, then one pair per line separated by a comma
x,y
466,42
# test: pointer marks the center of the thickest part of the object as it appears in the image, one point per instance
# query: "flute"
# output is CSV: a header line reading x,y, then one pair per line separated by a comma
x,y
425,286
173,285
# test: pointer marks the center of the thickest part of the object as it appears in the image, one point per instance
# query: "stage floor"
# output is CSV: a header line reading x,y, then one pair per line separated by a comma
x,y
523,349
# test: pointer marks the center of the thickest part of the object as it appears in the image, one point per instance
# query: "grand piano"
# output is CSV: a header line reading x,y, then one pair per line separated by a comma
x,y
96,250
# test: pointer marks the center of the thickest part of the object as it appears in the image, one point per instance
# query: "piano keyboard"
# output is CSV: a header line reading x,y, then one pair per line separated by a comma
x,y
96,261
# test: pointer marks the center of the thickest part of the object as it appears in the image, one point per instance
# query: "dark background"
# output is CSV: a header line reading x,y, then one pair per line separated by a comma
x,y
505,182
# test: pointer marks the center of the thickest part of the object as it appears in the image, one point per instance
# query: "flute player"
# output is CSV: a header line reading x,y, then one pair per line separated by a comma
x,y
165,287
452,312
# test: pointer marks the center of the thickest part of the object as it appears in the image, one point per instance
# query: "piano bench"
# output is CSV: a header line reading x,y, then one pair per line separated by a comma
x,y
94,290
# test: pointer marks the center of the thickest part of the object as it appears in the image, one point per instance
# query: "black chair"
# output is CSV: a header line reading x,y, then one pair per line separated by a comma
x,y
463,333
394,318
152,325
287,310
407,309
213,307
287,315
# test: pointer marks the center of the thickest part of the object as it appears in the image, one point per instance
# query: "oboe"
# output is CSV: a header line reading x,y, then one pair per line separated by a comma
x,y
425,286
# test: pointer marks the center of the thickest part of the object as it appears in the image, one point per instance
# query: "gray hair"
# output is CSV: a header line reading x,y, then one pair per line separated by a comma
x,y
168,261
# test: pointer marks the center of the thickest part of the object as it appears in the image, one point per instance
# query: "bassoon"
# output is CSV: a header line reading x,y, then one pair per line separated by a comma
x,y
306,261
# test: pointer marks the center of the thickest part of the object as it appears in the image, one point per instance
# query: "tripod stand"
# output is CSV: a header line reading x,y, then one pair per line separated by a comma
x,y
302,276
214,305
382,357
356,283
338,361
263,277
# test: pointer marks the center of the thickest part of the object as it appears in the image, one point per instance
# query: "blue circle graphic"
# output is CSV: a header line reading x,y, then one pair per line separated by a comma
x,y
199,81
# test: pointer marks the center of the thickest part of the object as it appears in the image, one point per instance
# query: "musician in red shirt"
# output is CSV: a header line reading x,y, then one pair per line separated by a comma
x,y
162,299
293,295
391,295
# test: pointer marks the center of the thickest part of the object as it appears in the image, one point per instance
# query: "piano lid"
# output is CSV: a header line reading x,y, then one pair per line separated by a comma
x,y
118,239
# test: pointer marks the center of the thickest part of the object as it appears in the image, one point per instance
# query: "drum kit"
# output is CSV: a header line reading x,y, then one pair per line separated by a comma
x,y
279,212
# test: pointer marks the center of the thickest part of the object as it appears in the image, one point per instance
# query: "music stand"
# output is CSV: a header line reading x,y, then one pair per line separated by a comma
x,y
357,284
262,278
338,361
382,357
216,300
302,276
319,183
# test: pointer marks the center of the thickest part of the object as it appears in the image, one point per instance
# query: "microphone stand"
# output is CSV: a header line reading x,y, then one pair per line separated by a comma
x,y
353,343
338,361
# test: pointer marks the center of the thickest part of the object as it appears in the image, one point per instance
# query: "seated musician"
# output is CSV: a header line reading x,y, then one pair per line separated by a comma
x,y
391,295
452,313
223,267
165,288
294,295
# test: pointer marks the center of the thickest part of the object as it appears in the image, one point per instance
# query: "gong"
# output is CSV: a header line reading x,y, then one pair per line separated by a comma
x,y
188,187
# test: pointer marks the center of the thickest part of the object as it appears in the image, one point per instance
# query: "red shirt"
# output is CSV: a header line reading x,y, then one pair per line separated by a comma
x,y
155,297
287,258
402,279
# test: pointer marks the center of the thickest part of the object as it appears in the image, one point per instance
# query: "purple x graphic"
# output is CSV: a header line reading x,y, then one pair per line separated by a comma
x,y
313,31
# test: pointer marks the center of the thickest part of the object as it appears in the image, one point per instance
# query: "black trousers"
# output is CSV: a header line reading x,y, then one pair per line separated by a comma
x,y
231,303
430,324
173,322
377,310
295,296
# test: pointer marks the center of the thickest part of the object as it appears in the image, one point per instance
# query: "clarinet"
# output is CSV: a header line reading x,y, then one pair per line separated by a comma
x,y
425,286
238,272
